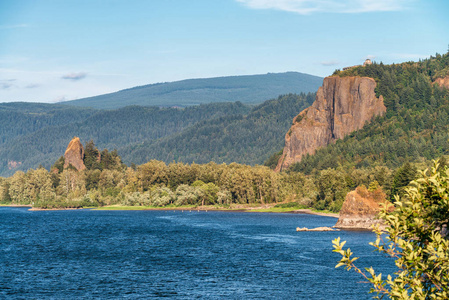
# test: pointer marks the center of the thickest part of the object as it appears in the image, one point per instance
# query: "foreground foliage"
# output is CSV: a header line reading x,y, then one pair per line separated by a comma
x,y
416,237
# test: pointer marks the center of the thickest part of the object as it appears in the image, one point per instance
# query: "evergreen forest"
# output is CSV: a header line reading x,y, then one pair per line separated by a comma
x,y
39,134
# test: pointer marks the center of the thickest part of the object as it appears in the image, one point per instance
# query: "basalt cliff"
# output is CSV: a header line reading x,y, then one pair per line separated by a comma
x,y
342,105
74,154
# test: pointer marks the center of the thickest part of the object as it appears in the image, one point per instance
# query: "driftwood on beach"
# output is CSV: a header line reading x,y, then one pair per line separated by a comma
x,y
316,229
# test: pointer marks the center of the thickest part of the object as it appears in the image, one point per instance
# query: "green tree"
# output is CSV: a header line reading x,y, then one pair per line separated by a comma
x,y
403,176
208,193
332,189
17,188
4,191
417,237
92,156
59,165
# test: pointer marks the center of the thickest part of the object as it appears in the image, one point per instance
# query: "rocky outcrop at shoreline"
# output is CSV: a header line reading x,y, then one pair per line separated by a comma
x,y
360,209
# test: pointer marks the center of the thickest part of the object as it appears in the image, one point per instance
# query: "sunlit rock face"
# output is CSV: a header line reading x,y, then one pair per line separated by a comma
x,y
443,82
360,209
342,105
74,154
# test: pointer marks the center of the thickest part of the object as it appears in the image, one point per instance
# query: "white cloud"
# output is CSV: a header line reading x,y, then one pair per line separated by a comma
x,y
332,6
75,76
6,83
330,63
47,86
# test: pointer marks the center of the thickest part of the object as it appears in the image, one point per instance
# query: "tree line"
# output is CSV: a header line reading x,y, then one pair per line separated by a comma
x,y
107,181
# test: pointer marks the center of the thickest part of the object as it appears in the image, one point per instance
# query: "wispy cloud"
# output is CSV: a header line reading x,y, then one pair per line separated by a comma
x,y
13,26
32,86
6,83
332,6
75,76
330,63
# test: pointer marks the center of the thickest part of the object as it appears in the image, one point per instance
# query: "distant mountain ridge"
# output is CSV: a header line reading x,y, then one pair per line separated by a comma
x,y
248,89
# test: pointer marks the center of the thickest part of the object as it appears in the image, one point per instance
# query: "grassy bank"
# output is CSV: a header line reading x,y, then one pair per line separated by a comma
x,y
243,208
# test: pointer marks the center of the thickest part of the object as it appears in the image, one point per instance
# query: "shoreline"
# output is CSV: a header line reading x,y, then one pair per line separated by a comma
x,y
50,209
311,212
237,208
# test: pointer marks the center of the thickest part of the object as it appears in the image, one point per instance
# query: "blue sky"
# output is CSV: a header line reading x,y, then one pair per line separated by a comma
x,y
52,50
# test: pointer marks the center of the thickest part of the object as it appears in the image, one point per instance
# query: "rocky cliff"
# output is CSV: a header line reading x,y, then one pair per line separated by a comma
x,y
444,82
74,154
342,105
360,209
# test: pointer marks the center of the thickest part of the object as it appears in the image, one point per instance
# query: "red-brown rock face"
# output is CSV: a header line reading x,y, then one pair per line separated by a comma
x,y
360,209
74,154
443,82
342,105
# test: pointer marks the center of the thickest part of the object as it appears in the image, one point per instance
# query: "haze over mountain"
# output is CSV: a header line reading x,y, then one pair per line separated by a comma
x,y
248,89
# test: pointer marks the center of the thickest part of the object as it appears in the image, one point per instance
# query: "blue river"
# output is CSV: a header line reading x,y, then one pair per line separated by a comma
x,y
77,254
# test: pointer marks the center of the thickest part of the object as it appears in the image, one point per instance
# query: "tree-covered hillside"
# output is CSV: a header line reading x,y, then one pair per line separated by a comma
x,y
246,139
20,118
217,131
31,140
250,89
415,127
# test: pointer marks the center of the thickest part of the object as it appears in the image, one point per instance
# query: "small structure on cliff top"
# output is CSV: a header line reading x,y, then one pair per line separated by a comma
x,y
367,62
74,155
360,209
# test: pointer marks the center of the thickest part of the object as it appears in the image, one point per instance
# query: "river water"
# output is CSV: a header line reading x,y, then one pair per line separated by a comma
x,y
76,254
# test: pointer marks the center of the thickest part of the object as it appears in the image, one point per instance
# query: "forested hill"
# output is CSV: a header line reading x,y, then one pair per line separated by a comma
x,y
250,89
38,134
28,139
414,129
244,139
18,119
